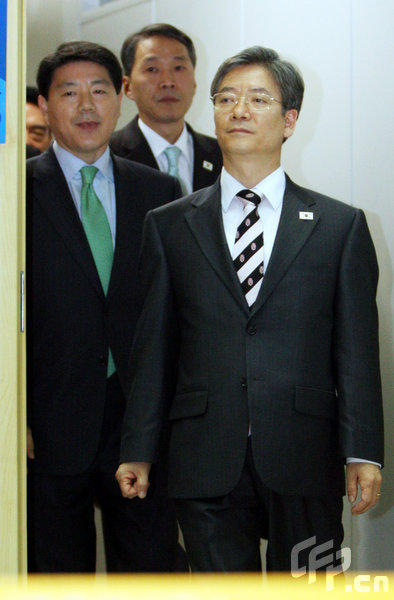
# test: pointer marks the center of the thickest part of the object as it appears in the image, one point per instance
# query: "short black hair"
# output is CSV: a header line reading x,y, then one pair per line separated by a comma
x,y
32,94
129,47
73,52
286,75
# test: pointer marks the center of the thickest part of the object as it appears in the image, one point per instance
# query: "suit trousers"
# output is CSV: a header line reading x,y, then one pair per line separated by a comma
x,y
139,535
223,534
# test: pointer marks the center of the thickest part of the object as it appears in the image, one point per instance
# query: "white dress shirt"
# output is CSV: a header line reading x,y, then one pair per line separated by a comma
x,y
103,183
185,144
271,190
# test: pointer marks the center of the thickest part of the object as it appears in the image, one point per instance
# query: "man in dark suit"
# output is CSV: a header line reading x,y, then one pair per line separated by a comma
x,y
258,338
85,210
158,64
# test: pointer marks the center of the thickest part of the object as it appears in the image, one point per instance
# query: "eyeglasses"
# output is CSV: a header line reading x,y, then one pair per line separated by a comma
x,y
257,102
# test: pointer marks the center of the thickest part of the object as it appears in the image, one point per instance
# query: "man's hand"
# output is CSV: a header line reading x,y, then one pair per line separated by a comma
x,y
133,479
29,444
369,478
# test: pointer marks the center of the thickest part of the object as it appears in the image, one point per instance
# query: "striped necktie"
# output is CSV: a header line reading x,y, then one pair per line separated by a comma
x,y
248,251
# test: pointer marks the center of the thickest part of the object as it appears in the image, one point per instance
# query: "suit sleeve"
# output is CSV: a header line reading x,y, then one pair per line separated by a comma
x,y
154,355
356,347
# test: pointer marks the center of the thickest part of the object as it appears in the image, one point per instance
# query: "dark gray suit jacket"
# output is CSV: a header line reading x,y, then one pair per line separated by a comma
x,y
131,143
71,323
302,366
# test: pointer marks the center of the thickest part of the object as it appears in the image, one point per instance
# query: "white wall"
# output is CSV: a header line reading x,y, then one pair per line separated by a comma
x,y
371,155
342,146
49,23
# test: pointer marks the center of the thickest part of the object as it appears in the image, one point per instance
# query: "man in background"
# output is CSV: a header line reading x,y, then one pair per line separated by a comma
x,y
85,210
38,134
158,65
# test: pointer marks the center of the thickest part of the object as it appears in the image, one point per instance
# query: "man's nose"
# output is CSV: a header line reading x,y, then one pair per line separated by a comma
x,y
241,109
86,102
167,80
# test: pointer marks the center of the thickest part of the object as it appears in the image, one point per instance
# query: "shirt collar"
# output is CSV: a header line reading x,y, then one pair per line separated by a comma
x,y
71,164
272,186
158,143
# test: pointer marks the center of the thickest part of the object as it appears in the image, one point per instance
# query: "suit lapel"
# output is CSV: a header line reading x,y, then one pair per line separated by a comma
x,y
137,146
52,193
205,221
293,232
128,226
202,176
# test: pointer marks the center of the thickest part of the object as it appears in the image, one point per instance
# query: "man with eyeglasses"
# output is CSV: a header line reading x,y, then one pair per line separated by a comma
x,y
259,342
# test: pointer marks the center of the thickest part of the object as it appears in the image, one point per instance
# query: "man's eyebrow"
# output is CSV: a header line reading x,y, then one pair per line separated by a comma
x,y
259,90
154,57
37,127
99,81
63,84
102,81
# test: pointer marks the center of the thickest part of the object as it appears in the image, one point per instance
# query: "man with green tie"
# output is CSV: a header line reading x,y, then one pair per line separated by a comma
x,y
85,210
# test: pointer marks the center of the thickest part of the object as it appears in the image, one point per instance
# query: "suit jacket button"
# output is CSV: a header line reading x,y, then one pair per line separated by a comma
x,y
101,360
244,383
252,329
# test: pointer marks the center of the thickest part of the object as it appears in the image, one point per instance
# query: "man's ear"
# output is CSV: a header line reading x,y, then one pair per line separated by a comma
x,y
43,105
127,87
290,122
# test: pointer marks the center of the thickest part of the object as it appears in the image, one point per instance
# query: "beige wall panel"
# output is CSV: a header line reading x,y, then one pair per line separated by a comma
x,y
12,379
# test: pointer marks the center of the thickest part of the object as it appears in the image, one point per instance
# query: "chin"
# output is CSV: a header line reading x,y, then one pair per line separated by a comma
x,y
170,118
237,149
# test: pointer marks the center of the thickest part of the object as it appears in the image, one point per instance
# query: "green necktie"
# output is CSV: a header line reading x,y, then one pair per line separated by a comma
x,y
98,232
172,153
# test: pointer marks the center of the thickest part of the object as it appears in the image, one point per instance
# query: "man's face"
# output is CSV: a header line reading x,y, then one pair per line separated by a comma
x,y
82,108
161,81
37,130
257,135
